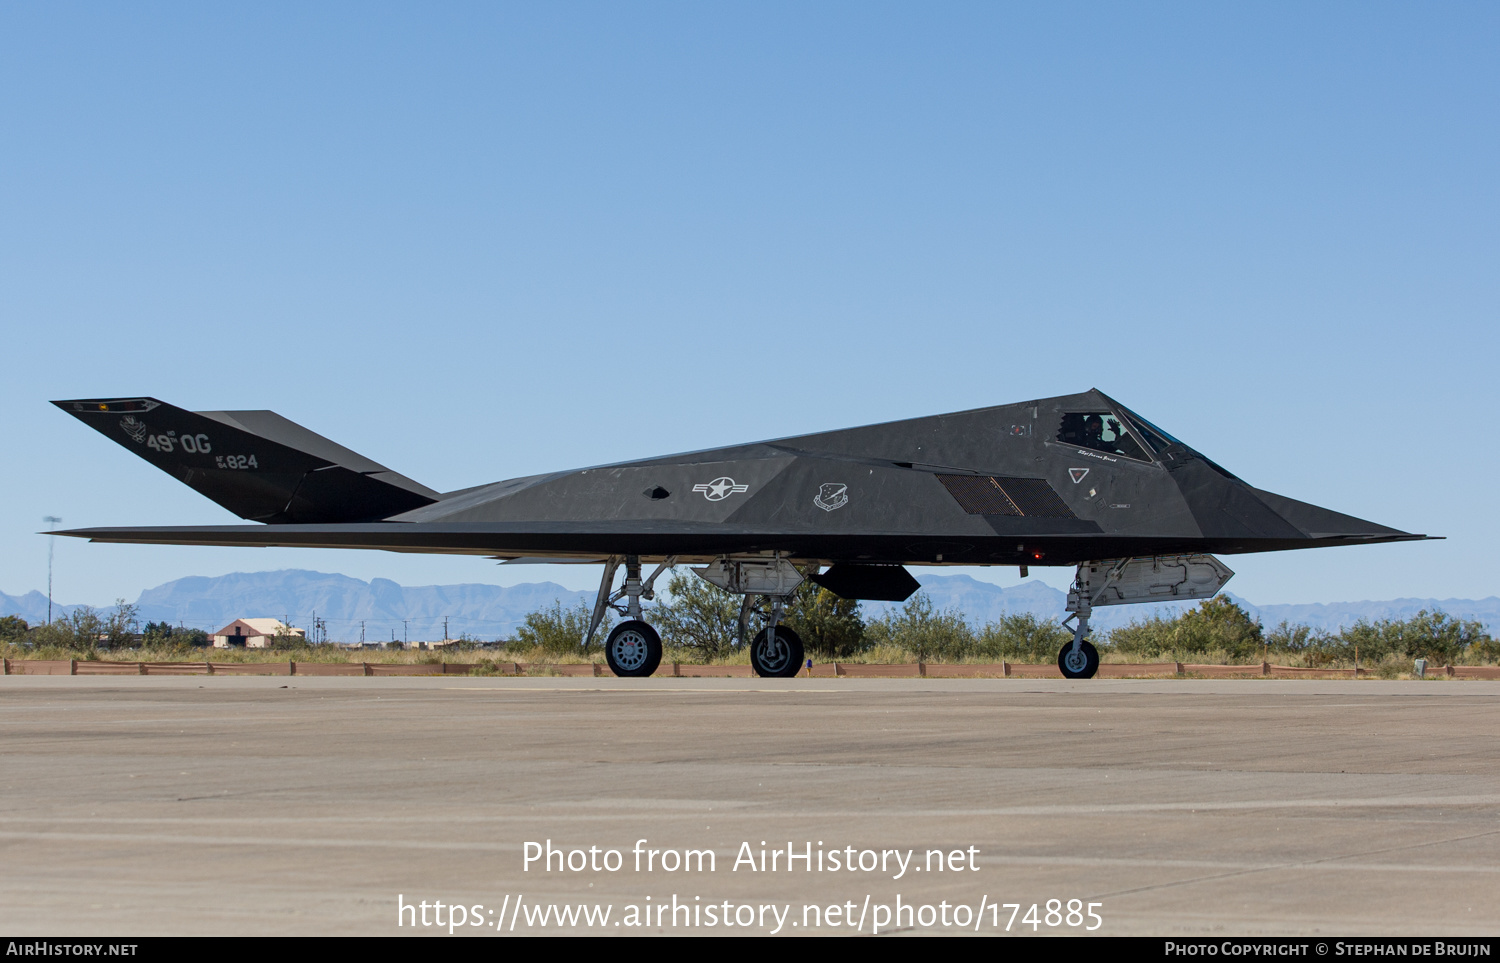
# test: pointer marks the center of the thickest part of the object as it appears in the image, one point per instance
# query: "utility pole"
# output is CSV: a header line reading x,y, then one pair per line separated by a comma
x,y
405,635
51,521
445,628
361,633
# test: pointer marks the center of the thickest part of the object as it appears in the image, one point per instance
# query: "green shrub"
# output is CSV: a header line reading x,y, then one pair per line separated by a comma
x,y
830,627
167,634
1022,637
77,632
559,630
1217,624
698,616
1435,636
926,634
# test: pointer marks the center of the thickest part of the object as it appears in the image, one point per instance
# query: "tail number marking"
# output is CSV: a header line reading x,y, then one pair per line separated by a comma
x,y
240,462
192,444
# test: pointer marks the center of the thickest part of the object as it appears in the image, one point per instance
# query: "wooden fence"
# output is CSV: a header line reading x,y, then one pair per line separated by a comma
x,y
850,670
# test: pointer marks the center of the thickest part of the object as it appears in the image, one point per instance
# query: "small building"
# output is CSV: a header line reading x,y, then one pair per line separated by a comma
x,y
253,633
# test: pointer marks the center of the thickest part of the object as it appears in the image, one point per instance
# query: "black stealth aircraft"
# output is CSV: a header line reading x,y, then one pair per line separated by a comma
x,y
1076,480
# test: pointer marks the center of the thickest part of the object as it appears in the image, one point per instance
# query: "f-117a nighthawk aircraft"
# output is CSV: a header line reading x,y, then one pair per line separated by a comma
x,y
1076,480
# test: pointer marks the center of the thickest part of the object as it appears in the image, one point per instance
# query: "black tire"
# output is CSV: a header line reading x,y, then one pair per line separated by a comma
x,y
779,660
633,649
1079,668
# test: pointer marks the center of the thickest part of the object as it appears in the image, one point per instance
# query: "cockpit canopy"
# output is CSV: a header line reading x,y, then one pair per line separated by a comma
x,y
1123,432
1101,431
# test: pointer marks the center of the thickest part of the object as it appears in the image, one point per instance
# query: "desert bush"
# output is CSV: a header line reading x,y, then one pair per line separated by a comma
x,y
1021,637
697,616
76,633
1294,642
830,627
1217,624
920,630
1435,636
558,630
118,627
167,634
13,628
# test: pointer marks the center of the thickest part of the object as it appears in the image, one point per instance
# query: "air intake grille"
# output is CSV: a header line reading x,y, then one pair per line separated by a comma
x,y
1035,498
991,495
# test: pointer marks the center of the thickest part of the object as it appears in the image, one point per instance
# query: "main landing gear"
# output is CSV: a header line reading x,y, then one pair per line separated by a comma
x,y
633,647
776,651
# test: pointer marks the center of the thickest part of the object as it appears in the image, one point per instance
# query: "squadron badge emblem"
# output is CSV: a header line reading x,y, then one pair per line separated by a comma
x,y
832,495
134,427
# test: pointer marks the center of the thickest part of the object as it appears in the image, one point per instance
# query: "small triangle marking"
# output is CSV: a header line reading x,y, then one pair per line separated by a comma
x,y
1077,474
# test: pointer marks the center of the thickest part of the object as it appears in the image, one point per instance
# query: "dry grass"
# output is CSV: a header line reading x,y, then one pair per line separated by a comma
x,y
485,659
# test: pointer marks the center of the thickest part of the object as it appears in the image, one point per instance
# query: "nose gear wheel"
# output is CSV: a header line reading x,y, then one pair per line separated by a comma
x,y
1079,663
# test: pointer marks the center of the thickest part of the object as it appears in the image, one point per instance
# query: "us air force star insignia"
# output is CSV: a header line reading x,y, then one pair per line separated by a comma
x,y
1077,474
720,488
832,495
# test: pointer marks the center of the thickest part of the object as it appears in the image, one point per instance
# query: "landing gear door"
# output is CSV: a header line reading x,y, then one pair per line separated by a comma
x,y
1160,578
774,577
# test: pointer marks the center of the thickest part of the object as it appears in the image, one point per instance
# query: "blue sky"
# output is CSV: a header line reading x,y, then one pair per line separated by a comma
x,y
478,241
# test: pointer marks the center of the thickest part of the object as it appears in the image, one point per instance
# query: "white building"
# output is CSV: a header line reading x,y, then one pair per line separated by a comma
x,y
253,633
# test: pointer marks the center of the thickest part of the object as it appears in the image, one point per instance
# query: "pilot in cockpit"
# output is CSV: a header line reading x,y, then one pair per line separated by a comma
x,y
1093,432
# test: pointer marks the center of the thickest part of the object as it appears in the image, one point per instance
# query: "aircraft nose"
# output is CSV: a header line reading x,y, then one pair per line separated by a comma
x,y
1315,522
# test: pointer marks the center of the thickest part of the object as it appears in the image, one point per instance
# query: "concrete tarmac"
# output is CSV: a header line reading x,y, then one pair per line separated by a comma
x,y
280,806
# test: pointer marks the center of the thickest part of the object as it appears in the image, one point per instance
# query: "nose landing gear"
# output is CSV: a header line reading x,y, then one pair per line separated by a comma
x,y
1078,660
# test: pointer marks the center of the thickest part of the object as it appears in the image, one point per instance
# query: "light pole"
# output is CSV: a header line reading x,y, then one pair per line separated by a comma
x,y
51,521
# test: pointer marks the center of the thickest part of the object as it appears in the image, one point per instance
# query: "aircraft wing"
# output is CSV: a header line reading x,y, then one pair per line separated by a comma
x,y
596,540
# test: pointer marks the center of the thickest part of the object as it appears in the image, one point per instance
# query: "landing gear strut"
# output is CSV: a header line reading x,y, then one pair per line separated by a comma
x,y
776,651
1079,659
633,647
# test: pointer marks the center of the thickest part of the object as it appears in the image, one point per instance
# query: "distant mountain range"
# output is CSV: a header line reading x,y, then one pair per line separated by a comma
x,y
389,610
